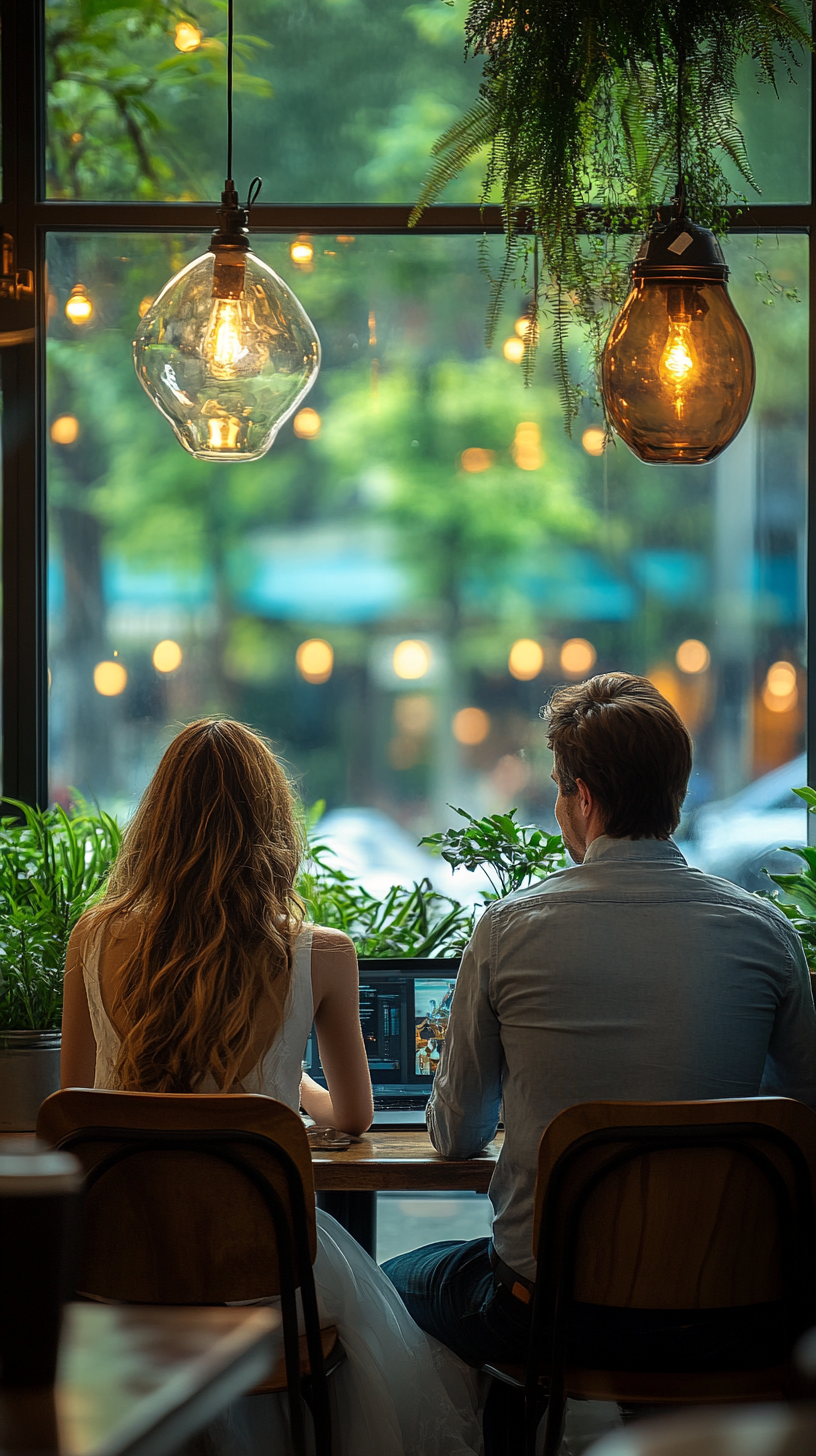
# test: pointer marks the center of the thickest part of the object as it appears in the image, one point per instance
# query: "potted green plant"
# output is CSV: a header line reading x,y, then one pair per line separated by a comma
x,y
798,899
421,923
591,116
52,866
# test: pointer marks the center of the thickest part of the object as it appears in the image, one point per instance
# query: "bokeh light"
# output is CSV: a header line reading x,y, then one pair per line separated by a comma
x,y
167,655
65,430
525,328
411,659
594,440
578,656
307,424
526,449
471,726
187,37
301,251
315,660
513,350
79,306
526,659
110,679
780,692
475,460
692,655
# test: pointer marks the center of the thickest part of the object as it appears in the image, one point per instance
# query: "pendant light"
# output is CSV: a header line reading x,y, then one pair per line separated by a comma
x,y
677,372
226,351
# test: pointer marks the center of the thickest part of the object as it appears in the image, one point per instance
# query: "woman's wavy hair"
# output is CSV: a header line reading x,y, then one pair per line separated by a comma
x,y
207,869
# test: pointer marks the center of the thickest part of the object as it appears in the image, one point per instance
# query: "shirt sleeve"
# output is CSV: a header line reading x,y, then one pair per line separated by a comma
x,y
463,1112
790,1064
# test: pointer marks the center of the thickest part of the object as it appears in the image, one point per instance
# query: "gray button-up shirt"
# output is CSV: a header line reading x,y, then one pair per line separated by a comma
x,y
631,977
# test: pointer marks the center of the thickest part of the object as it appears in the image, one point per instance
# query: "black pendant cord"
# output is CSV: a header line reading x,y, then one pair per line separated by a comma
x,y
680,197
230,49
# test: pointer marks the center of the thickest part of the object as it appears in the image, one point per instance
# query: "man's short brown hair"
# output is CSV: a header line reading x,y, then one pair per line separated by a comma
x,y
630,747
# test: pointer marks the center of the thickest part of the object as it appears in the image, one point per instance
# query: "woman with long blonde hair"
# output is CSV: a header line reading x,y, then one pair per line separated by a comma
x,y
197,973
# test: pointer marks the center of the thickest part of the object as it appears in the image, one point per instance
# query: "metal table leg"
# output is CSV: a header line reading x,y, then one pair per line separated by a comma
x,y
356,1211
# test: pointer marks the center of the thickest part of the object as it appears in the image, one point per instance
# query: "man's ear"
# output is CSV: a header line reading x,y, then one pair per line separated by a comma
x,y
585,798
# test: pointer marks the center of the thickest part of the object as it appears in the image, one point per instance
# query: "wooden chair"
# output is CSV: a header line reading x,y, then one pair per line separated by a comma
x,y
202,1199
667,1206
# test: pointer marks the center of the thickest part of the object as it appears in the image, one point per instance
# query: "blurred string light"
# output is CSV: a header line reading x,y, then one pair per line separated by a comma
x,y
306,424
315,660
301,251
513,350
594,440
414,713
65,430
474,460
526,449
692,656
79,307
187,37
372,327
471,726
524,328
110,679
780,692
526,659
226,352
577,656
411,659
167,655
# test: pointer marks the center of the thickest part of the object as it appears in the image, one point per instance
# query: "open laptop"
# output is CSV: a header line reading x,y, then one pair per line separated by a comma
x,y
404,1010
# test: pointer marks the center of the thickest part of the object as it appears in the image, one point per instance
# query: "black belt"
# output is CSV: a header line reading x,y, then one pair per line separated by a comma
x,y
519,1287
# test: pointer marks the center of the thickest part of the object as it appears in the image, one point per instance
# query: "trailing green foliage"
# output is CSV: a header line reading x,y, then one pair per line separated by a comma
x,y
593,114
52,867
512,855
800,889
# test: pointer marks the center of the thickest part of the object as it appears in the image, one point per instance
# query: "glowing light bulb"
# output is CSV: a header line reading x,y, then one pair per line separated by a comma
x,y
231,344
79,307
677,359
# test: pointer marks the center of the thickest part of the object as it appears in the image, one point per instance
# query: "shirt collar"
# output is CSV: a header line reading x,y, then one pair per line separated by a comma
x,y
607,848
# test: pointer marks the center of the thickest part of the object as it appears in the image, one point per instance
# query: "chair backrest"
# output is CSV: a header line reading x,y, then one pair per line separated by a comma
x,y
678,1205
177,1205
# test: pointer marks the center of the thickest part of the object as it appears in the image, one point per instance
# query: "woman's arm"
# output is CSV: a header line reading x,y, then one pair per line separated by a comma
x,y
348,1103
78,1056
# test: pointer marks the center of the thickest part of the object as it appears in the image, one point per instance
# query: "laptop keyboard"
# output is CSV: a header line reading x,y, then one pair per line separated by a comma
x,y
404,1104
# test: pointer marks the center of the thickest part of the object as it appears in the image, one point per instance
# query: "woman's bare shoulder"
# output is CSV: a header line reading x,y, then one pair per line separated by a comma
x,y
329,943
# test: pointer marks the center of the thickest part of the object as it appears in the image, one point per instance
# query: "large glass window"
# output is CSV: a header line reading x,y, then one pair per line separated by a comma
x,y
394,590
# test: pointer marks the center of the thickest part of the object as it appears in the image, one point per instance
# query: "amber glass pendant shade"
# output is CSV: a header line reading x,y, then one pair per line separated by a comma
x,y
678,367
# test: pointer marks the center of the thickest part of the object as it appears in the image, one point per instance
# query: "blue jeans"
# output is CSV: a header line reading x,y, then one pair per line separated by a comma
x,y
450,1290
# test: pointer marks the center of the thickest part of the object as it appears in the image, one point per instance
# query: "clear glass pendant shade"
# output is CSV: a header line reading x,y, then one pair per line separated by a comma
x,y
227,353
678,371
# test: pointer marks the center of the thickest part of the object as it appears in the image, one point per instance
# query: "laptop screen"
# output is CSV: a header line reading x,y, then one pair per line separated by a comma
x,y
404,1017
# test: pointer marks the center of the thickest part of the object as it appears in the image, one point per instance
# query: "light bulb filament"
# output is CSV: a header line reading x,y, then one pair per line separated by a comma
x,y
677,360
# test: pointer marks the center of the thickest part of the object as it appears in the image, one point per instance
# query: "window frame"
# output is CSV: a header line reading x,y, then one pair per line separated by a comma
x,y
29,216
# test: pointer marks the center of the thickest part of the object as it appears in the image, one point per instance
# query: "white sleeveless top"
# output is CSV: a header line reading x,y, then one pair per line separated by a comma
x,y
277,1075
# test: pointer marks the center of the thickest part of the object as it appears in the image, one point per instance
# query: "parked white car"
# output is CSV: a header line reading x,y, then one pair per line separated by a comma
x,y
739,837
374,849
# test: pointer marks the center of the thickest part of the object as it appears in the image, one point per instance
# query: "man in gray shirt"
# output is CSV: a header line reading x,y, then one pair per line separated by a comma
x,y
628,977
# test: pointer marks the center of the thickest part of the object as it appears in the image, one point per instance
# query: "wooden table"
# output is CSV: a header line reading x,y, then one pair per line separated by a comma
x,y
384,1160
138,1380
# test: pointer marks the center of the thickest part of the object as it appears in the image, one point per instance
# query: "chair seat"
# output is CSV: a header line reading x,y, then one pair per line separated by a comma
x,y
333,1354
635,1386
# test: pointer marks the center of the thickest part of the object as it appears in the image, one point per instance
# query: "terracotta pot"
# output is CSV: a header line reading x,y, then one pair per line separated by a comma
x,y
29,1072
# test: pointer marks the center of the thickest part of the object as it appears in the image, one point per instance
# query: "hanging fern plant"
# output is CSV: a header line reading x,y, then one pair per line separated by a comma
x,y
589,110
